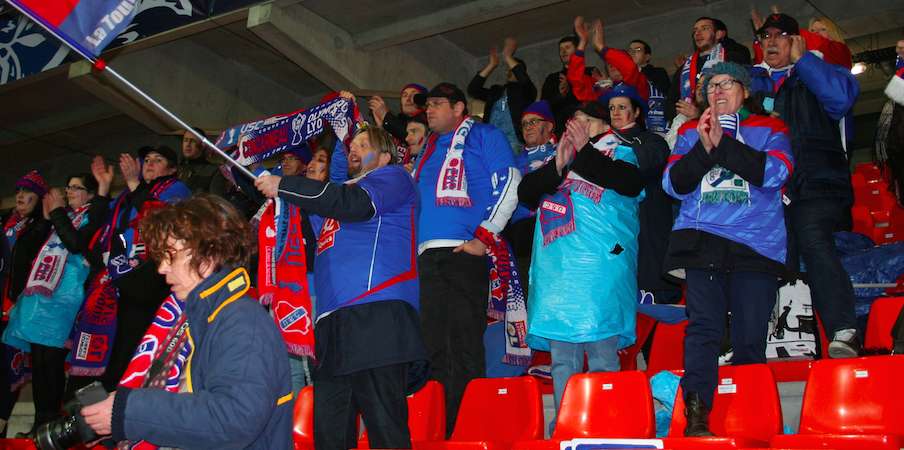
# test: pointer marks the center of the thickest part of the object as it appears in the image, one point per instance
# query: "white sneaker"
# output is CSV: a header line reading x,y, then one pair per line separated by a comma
x,y
845,344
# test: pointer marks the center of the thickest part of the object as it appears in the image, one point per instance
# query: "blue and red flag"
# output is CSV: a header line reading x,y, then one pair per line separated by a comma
x,y
87,26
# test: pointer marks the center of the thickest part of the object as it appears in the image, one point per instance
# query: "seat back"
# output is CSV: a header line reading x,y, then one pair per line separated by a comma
x,y
882,316
667,349
426,415
746,405
606,404
500,409
854,396
627,357
303,420
870,172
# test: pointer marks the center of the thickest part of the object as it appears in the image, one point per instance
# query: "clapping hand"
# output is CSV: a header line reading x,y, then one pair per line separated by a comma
x,y
103,173
599,37
580,28
130,169
508,51
52,200
710,130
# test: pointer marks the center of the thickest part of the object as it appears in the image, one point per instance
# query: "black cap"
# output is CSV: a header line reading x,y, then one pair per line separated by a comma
x,y
444,90
783,22
595,110
163,150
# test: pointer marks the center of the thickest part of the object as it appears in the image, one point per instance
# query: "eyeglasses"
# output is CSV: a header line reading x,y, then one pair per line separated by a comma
x,y
724,85
634,50
76,188
169,256
436,103
149,160
766,35
530,123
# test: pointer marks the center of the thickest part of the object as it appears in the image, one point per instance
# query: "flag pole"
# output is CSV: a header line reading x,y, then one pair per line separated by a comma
x,y
175,118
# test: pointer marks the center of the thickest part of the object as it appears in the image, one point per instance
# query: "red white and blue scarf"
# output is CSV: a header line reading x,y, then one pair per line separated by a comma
x,y
556,212
506,300
47,270
160,359
282,275
452,184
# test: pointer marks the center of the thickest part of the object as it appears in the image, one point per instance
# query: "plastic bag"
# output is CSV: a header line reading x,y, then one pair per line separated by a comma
x,y
874,265
48,320
664,386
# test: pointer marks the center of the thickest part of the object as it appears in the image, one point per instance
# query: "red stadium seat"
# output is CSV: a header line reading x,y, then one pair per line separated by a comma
x,y
628,356
601,405
790,370
17,444
746,411
426,415
868,194
869,171
863,221
303,423
851,404
494,413
882,316
667,350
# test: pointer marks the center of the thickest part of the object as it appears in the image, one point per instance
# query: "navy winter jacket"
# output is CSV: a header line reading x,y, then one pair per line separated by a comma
x,y
239,388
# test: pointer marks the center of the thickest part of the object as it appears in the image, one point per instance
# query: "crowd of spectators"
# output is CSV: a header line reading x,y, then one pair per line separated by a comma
x,y
618,185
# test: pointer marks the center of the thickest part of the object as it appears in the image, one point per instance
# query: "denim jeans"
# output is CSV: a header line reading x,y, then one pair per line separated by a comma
x,y
568,359
813,221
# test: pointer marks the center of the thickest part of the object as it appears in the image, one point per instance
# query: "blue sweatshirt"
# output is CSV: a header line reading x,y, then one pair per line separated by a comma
x,y
492,183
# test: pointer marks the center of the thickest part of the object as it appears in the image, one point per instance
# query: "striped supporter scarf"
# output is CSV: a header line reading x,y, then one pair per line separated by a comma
x,y
161,357
282,275
506,299
721,185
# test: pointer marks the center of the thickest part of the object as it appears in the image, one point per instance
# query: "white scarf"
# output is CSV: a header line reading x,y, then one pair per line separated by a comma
x,y
47,270
721,185
451,185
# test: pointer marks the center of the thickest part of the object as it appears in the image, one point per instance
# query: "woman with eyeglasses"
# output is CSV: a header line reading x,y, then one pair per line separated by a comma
x,y
25,230
42,318
212,370
729,240
627,111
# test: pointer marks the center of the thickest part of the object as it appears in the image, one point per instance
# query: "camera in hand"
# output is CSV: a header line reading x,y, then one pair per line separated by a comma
x,y
71,430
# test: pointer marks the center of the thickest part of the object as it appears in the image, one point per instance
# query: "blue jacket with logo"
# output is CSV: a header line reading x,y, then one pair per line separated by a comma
x,y
366,248
762,157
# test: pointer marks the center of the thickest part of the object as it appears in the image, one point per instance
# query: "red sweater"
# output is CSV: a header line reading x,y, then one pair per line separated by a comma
x,y
582,85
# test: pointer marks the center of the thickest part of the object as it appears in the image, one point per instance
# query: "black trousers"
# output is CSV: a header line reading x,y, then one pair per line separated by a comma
x,y
379,394
750,296
454,290
8,397
813,222
48,381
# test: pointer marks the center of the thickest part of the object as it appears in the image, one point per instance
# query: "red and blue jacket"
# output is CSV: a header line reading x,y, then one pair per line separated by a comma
x,y
761,155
